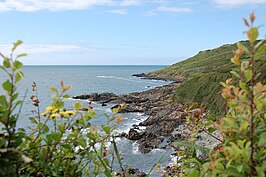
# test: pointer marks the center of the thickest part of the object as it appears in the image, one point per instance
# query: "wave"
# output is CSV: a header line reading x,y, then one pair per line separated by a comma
x,y
130,80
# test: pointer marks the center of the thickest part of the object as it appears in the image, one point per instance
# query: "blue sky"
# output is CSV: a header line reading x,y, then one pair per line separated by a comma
x,y
135,32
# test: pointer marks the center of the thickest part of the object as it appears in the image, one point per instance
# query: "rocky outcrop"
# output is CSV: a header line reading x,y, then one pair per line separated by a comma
x,y
176,79
98,97
134,134
163,114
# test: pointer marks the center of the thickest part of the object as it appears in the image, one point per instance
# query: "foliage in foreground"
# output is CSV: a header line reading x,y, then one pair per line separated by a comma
x,y
242,149
60,141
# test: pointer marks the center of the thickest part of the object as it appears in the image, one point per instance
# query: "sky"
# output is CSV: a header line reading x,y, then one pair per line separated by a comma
x,y
122,32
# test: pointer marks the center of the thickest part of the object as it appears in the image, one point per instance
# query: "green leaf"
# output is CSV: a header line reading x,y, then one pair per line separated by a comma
x,y
82,142
56,136
262,140
61,127
17,64
232,171
86,116
7,86
248,75
77,106
66,96
106,129
3,100
45,129
235,60
244,65
6,63
33,120
193,173
235,74
252,34
93,114
16,44
22,55
115,110
211,130
18,76
53,89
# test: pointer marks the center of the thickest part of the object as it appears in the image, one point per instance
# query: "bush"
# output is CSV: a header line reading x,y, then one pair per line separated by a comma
x,y
71,147
242,148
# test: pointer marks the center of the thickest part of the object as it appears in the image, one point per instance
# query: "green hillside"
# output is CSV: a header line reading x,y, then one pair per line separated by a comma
x,y
203,73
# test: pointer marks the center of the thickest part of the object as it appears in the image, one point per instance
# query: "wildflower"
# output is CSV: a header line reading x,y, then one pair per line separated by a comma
x,y
55,110
53,116
50,108
71,113
44,113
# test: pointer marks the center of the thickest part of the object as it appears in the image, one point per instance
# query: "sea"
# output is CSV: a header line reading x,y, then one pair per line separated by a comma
x,y
90,79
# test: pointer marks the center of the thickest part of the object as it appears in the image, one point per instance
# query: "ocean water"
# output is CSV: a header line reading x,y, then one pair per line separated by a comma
x,y
90,79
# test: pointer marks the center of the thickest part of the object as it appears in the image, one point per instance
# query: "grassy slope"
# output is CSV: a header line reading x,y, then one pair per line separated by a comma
x,y
203,74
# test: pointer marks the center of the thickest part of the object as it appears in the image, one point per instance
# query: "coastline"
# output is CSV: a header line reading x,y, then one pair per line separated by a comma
x,y
165,119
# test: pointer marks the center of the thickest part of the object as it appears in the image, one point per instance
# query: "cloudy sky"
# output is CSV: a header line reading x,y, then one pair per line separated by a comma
x,y
134,32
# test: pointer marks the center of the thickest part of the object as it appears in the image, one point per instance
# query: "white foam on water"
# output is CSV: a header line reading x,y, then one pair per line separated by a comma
x,y
173,160
158,150
135,148
130,80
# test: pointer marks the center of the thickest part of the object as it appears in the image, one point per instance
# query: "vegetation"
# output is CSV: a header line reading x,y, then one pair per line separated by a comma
x,y
242,149
62,142
204,72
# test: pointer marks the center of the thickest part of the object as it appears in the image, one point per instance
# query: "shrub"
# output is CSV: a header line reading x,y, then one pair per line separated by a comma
x,y
69,146
242,151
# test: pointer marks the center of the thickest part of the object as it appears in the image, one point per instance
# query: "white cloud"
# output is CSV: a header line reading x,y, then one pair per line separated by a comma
x,y
169,10
52,5
234,3
119,11
131,2
44,48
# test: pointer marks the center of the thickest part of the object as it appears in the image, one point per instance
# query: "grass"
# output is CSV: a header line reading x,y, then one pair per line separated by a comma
x,y
203,73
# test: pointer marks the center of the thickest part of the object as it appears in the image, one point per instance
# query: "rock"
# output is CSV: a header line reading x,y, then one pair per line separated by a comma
x,y
122,135
139,75
149,142
134,134
132,172
86,109
98,97
104,104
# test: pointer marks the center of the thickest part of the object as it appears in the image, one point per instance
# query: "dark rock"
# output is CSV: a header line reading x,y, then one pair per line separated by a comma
x,y
98,97
133,172
122,135
139,75
135,126
104,104
134,134
86,109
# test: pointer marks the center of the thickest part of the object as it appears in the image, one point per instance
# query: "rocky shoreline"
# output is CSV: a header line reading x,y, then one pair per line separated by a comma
x,y
165,121
164,115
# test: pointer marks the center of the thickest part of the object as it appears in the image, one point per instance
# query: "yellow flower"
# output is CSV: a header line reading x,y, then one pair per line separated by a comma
x,y
44,113
50,108
53,116
55,110
71,113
